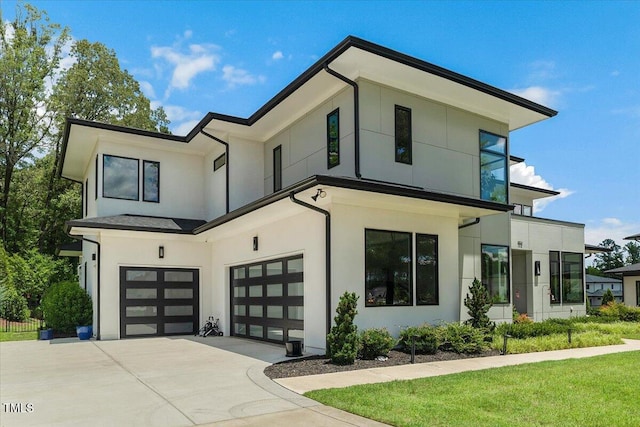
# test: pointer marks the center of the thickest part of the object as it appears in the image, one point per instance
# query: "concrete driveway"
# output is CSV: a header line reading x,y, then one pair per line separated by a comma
x,y
150,382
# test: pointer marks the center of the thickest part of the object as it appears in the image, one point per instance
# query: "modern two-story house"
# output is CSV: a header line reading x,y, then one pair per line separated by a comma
x,y
373,172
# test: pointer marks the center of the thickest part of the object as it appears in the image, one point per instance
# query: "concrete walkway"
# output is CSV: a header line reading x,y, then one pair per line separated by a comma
x,y
422,370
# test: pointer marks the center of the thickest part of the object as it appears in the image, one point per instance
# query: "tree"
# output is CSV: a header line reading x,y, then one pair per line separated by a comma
x,y
478,305
342,340
633,253
609,260
30,52
607,297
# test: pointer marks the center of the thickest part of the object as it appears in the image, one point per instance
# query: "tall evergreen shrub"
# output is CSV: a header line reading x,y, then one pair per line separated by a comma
x,y
65,306
342,340
478,305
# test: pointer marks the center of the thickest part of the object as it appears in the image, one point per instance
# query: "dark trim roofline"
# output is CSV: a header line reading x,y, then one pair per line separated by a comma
x,y
515,159
596,248
536,189
87,223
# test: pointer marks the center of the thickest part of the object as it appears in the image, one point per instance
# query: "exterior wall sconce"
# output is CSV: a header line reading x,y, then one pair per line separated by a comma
x,y
321,193
160,252
536,268
255,243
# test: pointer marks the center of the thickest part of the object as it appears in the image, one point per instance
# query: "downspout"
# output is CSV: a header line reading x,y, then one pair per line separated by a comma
x,y
327,237
226,155
98,262
356,115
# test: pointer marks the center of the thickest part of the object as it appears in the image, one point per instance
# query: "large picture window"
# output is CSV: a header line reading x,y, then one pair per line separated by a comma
x,y
120,177
403,134
572,278
151,181
388,266
493,167
333,139
426,269
495,272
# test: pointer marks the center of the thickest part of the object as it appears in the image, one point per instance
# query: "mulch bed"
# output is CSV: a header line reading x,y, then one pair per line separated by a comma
x,y
313,365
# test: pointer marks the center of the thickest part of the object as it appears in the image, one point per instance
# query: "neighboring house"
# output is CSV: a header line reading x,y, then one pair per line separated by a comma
x,y
597,286
630,282
373,172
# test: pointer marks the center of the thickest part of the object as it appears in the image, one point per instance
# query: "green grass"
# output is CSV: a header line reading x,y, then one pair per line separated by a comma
x,y
18,336
596,391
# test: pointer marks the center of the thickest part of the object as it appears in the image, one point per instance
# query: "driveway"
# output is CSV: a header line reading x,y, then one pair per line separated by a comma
x,y
181,381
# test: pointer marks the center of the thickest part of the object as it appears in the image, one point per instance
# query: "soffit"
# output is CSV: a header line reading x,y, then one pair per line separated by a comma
x,y
524,191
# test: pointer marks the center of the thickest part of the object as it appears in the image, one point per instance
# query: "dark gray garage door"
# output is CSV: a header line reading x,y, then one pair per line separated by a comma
x,y
267,300
158,301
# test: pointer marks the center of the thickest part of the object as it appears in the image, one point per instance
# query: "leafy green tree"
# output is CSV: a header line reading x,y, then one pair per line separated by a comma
x,y
633,253
609,260
342,340
607,297
30,52
478,305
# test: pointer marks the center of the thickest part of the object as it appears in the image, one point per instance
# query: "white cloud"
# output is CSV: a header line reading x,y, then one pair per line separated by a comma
x,y
147,89
175,113
609,228
522,173
632,112
237,76
184,128
277,55
539,94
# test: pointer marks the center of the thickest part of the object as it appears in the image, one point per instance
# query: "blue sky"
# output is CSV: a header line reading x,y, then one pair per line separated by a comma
x,y
580,58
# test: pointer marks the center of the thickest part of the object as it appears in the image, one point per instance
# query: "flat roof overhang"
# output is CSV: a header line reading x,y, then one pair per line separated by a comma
x,y
533,192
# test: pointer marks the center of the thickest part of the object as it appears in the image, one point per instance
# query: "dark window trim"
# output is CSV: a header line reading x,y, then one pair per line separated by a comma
x,y
410,142
104,156
335,112
558,298
508,248
638,293
435,236
411,269
581,270
277,168
220,161
96,183
495,153
85,198
144,172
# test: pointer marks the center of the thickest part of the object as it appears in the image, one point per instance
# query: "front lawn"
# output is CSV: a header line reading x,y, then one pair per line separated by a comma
x,y
596,391
18,336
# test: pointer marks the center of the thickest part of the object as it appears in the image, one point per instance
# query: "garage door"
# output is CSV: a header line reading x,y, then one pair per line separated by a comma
x,y
158,301
268,300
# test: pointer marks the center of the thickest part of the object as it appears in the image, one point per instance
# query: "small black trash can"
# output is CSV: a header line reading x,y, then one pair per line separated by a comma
x,y
294,348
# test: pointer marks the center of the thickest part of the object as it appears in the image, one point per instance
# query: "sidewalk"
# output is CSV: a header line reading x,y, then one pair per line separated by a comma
x,y
407,372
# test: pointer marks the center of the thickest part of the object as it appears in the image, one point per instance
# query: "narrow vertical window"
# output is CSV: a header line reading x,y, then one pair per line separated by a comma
x,y
426,269
403,134
277,168
572,278
495,272
493,167
96,186
388,271
151,181
333,139
554,277
638,293
85,203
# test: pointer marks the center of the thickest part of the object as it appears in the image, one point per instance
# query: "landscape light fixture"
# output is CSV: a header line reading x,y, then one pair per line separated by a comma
x,y
321,193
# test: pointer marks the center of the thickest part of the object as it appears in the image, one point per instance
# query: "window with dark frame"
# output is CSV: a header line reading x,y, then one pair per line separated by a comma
x,y
120,177
554,277
333,138
572,277
85,201
495,272
403,135
493,167
426,269
96,183
277,168
638,293
388,268
151,181
220,161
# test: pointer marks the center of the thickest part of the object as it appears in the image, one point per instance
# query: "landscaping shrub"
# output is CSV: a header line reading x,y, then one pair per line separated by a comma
x,y
375,342
13,306
342,340
461,338
478,304
619,311
607,297
426,337
523,318
534,329
65,306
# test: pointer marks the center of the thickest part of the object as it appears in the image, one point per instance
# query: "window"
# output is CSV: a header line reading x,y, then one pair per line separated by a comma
x,y
220,162
96,183
568,286
572,278
388,279
85,201
403,135
277,168
151,181
517,209
426,269
520,209
526,210
333,138
120,177
638,293
495,272
493,167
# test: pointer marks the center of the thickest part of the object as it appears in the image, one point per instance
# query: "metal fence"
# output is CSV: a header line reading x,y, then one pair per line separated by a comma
x,y
26,326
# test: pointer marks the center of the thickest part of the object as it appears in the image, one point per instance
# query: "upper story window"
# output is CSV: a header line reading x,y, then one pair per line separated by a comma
x,y
220,161
493,167
403,134
520,209
151,181
495,272
333,138
277,168
120,177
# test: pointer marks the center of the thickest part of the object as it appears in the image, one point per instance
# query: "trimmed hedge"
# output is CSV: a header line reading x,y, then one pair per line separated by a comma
x,y
13,306
65,306
461,338
536,329
375,342
426,339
